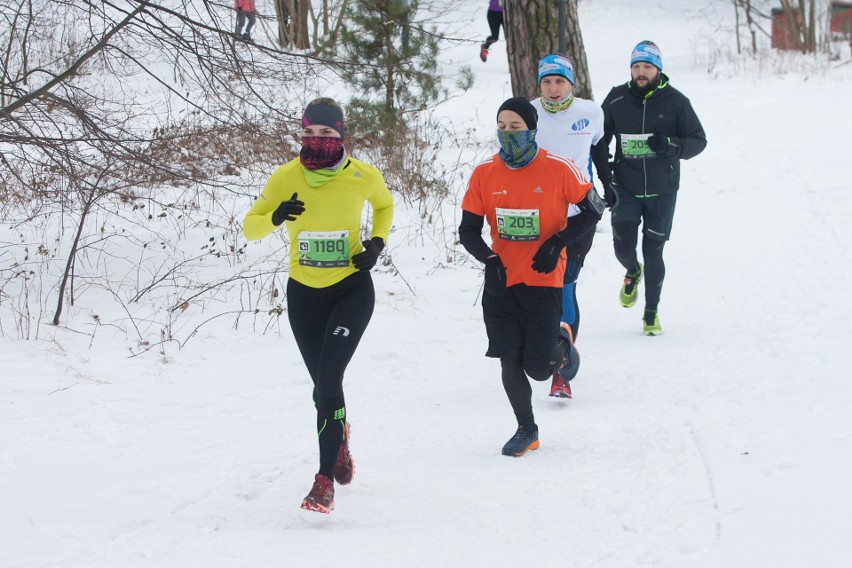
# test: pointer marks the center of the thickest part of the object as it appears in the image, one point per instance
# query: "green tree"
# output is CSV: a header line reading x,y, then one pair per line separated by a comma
x,y
389,61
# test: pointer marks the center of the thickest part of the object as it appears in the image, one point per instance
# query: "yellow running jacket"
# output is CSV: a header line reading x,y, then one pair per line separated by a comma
x,y
324,238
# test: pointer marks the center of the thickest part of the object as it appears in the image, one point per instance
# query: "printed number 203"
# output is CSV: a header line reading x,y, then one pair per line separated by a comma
x,y
521,222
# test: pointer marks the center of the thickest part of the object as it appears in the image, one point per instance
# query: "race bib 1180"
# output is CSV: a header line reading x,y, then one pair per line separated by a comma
x,y
518,224
635,146
324,249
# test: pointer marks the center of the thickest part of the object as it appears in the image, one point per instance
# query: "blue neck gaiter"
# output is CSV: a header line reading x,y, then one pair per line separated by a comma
x,y
517,148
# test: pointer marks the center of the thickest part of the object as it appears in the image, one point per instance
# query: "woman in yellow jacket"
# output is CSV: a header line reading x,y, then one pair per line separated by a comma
x,y
330,296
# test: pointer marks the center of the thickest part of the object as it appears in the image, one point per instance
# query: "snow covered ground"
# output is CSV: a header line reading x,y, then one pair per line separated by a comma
x,y
725,442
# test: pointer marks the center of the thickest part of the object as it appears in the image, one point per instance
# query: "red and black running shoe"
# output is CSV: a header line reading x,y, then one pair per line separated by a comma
x,y
321,497
560,388
483,53
344,469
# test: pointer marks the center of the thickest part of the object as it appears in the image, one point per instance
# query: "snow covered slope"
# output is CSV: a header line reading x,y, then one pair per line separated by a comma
x,y
725,442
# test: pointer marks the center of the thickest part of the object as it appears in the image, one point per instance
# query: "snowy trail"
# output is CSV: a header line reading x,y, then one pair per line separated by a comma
x,y
724,442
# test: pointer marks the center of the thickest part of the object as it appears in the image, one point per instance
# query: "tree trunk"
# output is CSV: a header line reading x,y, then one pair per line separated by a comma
x,y
737,24
793,31
391,61
282,14
301,32
72,255
532,30
811,27
750,21
325,28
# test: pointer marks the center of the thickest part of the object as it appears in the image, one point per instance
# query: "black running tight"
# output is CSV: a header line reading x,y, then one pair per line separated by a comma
x,y
328,324
625,236
517,385
495,20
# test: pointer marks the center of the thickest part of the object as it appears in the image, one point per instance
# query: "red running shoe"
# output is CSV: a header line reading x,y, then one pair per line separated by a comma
x,y
321,497
344,469
560,387
483,53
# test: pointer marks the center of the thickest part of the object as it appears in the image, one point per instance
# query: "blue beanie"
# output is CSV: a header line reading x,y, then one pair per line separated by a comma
x,y
647,51
556,64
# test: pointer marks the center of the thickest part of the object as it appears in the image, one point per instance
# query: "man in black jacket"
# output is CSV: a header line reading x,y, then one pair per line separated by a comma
x,y
654,128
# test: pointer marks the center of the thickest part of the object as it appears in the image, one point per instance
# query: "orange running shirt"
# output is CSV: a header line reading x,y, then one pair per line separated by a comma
x,y
524,208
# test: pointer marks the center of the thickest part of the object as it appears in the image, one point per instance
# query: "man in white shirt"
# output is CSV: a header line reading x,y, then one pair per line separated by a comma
x,y
570,127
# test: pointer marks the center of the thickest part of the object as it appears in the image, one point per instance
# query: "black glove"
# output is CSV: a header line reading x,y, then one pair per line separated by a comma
x,y
288,210
547,256
610,196
658,143
495,275
366,260
577,232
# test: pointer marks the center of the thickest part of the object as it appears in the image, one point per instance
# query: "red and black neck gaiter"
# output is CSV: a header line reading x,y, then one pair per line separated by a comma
x,y
321,152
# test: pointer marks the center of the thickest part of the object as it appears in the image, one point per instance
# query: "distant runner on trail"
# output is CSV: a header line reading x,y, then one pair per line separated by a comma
x,y
654,128
319,197
495,22
571,127
524,193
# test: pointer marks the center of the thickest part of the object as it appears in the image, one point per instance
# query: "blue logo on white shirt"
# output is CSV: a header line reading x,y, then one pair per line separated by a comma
x,y
580,124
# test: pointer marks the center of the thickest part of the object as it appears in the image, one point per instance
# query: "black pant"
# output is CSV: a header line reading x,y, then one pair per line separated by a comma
x,y
657,217
495,20
328,324
523,331
625,236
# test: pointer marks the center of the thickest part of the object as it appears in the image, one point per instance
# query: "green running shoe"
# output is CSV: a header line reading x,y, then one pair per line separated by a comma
x,y
651,323
629,288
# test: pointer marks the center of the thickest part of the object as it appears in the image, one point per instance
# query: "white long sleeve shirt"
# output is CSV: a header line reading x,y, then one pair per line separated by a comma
x,y
571,133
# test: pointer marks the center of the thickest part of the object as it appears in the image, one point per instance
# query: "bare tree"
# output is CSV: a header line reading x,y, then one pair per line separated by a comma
x,y
532,31
802,29
175,52
301,32
752,16
132,130
283,18
300,27
293,17
104,101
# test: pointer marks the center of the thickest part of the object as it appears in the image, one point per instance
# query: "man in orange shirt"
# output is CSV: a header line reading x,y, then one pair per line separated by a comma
x,y
524,192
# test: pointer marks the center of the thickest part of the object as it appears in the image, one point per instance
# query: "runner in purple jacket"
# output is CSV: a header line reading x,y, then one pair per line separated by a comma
x,y
495,20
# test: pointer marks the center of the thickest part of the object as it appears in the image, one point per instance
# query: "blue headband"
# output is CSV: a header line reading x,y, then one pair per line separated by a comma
x,y
649,52
556,64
